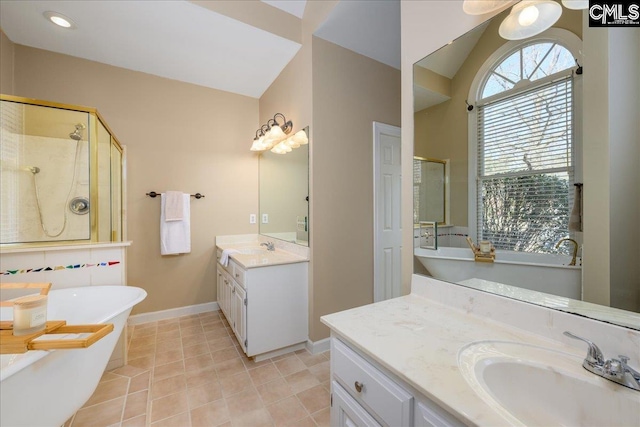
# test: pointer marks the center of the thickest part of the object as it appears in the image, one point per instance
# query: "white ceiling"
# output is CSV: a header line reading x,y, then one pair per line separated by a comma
x,y
368,27
188,42
174,39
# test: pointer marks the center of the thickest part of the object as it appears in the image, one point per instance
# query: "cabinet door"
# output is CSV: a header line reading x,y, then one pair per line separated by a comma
x,y
240,316
428,414
346,412
219,287
228,286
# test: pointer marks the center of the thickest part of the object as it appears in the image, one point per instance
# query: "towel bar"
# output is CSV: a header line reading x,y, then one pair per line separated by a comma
x,y
153,194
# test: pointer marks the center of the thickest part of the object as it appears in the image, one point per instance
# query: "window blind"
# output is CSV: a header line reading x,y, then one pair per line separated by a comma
x,y
525,168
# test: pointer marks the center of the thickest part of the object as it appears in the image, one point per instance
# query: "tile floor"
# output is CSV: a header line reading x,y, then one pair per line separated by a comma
x,y
190,371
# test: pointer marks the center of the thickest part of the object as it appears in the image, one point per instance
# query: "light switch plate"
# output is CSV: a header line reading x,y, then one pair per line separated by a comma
x,y
265,218
252,218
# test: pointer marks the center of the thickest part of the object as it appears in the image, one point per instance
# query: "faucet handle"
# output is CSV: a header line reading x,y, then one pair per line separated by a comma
x,y
594,355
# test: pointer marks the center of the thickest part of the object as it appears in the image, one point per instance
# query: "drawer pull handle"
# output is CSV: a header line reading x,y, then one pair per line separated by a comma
x,y
359,386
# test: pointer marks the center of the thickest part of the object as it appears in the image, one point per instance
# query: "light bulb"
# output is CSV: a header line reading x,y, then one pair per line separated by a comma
x,y
528,16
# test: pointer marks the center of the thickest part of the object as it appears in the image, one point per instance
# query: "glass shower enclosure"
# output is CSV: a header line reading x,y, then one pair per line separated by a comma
x,y
61,172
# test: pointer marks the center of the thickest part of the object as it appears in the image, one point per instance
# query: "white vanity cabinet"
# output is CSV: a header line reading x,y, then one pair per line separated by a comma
x,y
266,306
364,394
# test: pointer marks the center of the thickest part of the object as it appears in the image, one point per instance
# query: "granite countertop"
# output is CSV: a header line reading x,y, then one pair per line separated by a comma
x,y
419,339
262,259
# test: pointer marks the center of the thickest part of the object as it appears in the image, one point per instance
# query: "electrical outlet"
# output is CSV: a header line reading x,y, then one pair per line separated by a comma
x,y
265,218
252,218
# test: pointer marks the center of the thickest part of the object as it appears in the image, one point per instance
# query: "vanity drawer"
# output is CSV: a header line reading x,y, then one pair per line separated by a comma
x,y
370,386
238,273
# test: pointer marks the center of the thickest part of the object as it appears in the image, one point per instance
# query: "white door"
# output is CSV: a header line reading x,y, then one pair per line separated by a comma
x,y
387,186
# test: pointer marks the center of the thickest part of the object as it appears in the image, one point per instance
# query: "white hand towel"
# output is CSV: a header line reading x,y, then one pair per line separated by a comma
x,y
224,258
175,236
173,206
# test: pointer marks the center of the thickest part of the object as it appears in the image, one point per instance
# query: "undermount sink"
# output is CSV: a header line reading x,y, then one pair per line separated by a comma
x,y
536,386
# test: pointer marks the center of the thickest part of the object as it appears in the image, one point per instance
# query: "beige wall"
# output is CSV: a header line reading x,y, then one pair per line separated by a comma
x,y
178,136
350,92
6,64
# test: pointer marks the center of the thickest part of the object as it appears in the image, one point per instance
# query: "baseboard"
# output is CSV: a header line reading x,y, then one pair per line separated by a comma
x,y
318,346
154,316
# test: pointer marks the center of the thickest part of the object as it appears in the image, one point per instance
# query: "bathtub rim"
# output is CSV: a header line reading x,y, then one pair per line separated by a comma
x,y
30,357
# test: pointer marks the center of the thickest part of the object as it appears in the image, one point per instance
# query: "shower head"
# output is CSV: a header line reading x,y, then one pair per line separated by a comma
x,y
76,135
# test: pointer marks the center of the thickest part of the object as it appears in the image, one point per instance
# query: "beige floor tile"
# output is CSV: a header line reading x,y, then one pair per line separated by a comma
x,y
108,390
129,371
195,350
322,418
235,384
187,323
322,371
247,400
274,390
168,345
255,418
201,395
143,341
229,368
101,415
191,330
301,381
141,352
140,421
193,339
219,343
289,365
108,376
211,414
286,411
169,356
168,335
172,326
263,374
145,332
215,334
169,370
140,382
198,378
165,322
226,354
314,399
145,362
168,406
213,326
282,356
310,359
167,386
198,363
180,420
136,405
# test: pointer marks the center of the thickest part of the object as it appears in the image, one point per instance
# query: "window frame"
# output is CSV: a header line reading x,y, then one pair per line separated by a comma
x,y
568,40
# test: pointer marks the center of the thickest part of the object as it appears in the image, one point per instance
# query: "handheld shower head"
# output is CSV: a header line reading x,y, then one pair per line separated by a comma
x,y
76,135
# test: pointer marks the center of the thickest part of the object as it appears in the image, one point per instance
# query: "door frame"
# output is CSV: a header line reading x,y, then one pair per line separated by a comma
x,y
379,129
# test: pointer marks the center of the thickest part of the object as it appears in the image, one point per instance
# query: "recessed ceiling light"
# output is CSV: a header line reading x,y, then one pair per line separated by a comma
x,y
60,20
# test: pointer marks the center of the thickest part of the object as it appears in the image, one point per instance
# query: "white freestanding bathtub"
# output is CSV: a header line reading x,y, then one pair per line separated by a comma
x,y
538,272
45,388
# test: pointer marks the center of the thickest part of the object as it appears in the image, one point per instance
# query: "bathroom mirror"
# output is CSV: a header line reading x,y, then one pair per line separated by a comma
x,y
449,123
430,190
284,195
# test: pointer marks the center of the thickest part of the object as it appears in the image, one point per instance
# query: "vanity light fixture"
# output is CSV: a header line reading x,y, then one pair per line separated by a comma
x,y
294,141
272,133
576,4
529,18
60,20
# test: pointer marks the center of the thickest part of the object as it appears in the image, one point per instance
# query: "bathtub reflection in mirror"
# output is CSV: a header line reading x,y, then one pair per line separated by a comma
x,y
513,118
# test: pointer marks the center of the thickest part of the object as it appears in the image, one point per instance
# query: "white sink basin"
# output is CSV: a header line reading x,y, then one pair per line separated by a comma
x,y
535,386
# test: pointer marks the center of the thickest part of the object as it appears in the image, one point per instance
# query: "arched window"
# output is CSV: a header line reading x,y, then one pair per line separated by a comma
x,y
524,151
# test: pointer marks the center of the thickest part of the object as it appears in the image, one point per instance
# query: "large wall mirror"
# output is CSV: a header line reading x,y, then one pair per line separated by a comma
x,y
540,167
284,195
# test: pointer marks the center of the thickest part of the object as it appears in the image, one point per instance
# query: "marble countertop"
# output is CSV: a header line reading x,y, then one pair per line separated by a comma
x,y
262,259
418,339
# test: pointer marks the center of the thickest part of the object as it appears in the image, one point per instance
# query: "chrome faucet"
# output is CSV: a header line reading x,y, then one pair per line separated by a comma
x,y
575,248
270,246
615,370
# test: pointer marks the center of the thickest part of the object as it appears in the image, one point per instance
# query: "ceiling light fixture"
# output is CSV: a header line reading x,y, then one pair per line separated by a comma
x,y
529,18
60,20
